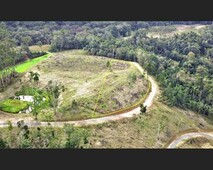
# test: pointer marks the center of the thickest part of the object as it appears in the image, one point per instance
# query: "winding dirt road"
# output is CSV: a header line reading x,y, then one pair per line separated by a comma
x,y
148,102
180,140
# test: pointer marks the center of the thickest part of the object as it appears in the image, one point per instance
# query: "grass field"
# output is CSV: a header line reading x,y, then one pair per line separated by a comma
x,y
13,106
23,67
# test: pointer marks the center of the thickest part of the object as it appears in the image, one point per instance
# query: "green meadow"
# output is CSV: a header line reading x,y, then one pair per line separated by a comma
x,y
23,67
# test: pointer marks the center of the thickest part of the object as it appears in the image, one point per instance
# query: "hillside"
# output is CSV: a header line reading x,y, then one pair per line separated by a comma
x,y
95,88
129,84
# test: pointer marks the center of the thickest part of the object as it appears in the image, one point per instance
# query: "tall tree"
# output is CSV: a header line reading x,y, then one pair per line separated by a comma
x,y
54,90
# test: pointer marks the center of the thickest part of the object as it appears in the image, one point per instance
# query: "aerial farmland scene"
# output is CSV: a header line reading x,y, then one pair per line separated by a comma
x,y
106,84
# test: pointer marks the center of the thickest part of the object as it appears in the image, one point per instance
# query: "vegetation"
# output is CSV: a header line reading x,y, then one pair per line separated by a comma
x,y
179,62
7,58
54,90
182,64
39,48
43,137
142,109
155,129
103,91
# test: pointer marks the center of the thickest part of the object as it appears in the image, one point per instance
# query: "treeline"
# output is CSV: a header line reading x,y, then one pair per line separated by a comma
x,y
183,64
7,57
110,41
41,32
10,55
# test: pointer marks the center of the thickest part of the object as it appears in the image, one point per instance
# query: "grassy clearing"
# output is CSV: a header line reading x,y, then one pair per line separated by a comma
x,y
199,142
151,130
37,48
13,105
168,31
95,89
23,67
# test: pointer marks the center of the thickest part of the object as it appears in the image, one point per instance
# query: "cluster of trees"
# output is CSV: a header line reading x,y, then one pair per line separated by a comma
x,y
7,58
10,55
49,137
183,65
49,96
41,32
105,42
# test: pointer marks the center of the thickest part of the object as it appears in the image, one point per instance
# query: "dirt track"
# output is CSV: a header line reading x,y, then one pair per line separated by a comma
x,y
178,141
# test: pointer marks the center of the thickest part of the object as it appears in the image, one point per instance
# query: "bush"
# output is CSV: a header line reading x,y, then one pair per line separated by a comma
x,y
76,137
142,109
27,90
74,104
3,144
46,116
133,77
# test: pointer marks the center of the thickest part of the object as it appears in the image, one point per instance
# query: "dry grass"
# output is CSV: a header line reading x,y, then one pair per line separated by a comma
x,y
37,48
89,82
152,130
179,29
199,142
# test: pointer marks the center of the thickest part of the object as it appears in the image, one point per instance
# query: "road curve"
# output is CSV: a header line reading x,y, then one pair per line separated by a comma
x,y
180,140
148,102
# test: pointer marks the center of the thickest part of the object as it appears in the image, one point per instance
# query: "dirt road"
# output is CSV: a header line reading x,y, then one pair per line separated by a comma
x,y
148,102
180,140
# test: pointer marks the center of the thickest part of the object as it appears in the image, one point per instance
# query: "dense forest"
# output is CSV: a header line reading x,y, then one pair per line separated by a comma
x,y
182,64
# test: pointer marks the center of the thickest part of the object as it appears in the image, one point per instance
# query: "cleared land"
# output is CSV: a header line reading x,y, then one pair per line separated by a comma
x,y
36,48
151,130
95,88
168,31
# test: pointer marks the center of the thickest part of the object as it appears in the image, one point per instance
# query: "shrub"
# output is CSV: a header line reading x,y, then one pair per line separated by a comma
x,y
3,144
76,137
74,104
133,77
142,109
